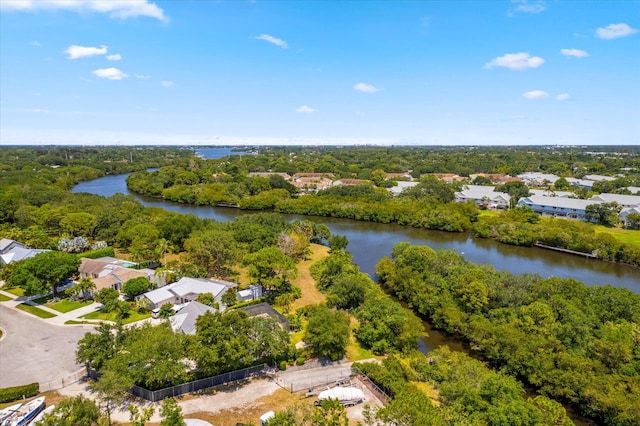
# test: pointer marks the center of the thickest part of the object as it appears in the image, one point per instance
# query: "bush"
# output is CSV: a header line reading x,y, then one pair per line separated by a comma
x,y
300,360
19,392
282,365
96,254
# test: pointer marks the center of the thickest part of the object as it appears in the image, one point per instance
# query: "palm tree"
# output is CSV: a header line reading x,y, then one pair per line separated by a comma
x,y
164,246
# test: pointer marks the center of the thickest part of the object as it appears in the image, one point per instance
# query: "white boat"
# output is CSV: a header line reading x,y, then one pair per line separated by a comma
x,y
40,416
25,413
6,412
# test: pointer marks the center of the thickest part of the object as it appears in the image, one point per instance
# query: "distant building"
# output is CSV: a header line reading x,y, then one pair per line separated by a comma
x,y
498,179
445,177
581,183
537,178
351,182
599,178
569,208
551,193
399,176
621,199
402,185
625,212
267,174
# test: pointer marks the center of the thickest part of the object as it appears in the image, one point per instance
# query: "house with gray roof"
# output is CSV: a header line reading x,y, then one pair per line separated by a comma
x,y
623,200
187,290
185,319
624,214
13,251
568,208
484,196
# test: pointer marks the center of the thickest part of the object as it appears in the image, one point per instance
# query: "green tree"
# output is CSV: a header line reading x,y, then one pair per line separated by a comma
x,y
230,297
604,213
214,250
166,311
337,242
43,272
327,332
136,286
140,416
79,224
110,390
72,412
171,413
270,267
108,297
330,412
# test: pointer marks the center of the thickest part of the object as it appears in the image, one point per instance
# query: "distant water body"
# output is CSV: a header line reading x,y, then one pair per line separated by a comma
x,y
214,153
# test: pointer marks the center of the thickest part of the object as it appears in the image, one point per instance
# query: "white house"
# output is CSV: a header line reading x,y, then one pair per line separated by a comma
x,y
623,200
187,290
13,251
402,185
485,196
625,212
569,208
537,178
550,193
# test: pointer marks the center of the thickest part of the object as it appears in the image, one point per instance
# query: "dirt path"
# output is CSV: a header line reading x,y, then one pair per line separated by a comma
x,y
304,280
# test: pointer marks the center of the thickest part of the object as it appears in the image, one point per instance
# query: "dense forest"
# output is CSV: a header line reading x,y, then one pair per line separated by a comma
x,y
430,204
572,342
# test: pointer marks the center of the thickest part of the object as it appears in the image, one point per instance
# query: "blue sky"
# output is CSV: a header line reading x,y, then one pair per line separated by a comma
x,y
314,72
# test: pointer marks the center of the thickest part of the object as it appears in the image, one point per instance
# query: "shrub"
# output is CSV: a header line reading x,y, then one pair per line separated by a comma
x,y
19,392
282,365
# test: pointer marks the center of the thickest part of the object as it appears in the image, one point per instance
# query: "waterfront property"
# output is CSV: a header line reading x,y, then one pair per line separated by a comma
x,y
483,196
621,199
568,208
186,290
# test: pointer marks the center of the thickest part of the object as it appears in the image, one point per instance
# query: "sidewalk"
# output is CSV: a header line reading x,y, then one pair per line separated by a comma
x,y
60,317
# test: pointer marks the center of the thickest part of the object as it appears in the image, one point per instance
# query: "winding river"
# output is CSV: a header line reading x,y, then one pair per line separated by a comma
x,y
368,242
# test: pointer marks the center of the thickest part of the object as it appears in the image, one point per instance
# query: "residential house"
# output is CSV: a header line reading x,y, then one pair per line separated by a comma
x,y
625,212
484,196
399,176
537,178
109,272
569,208
599,178
185,319
551,193
312,182
402,185
634,189
581,183
445,177
13,251
186,290
621,199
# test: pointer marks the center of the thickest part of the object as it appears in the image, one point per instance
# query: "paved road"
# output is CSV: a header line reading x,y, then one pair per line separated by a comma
x,y
36,351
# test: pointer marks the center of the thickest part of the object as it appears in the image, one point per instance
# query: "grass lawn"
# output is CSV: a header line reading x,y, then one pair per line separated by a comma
x,y
74,322
18,291
626,236
355,352
304,280
4,298
35,311
67,305
488,213
111,316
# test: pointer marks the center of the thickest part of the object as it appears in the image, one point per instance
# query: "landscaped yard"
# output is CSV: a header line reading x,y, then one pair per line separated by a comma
x,y
627,236
18,291
67,305
35,311
4,298
111,316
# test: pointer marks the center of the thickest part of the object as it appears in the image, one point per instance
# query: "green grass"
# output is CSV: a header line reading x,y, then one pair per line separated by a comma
x,y
488,213
74,322
35,311
626,236
18,291
4,298
111,316
66,305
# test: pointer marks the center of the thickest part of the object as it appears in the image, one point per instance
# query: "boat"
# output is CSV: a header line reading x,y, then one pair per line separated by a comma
x,y
23,415
6,412
40,416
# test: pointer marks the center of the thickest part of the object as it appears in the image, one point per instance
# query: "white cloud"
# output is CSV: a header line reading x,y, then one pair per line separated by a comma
x,y
110,73
166,83
615,31
38,110
142,76
121,9
366,88
574,52
305,110
114,57
535,94
526,6
35,43
515,61
273,40
75,51
563,97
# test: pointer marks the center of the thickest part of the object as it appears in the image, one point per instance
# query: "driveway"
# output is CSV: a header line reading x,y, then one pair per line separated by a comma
x,y
33,350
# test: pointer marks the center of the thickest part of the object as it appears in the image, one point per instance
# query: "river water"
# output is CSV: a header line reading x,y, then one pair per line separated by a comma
x,y
369,242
